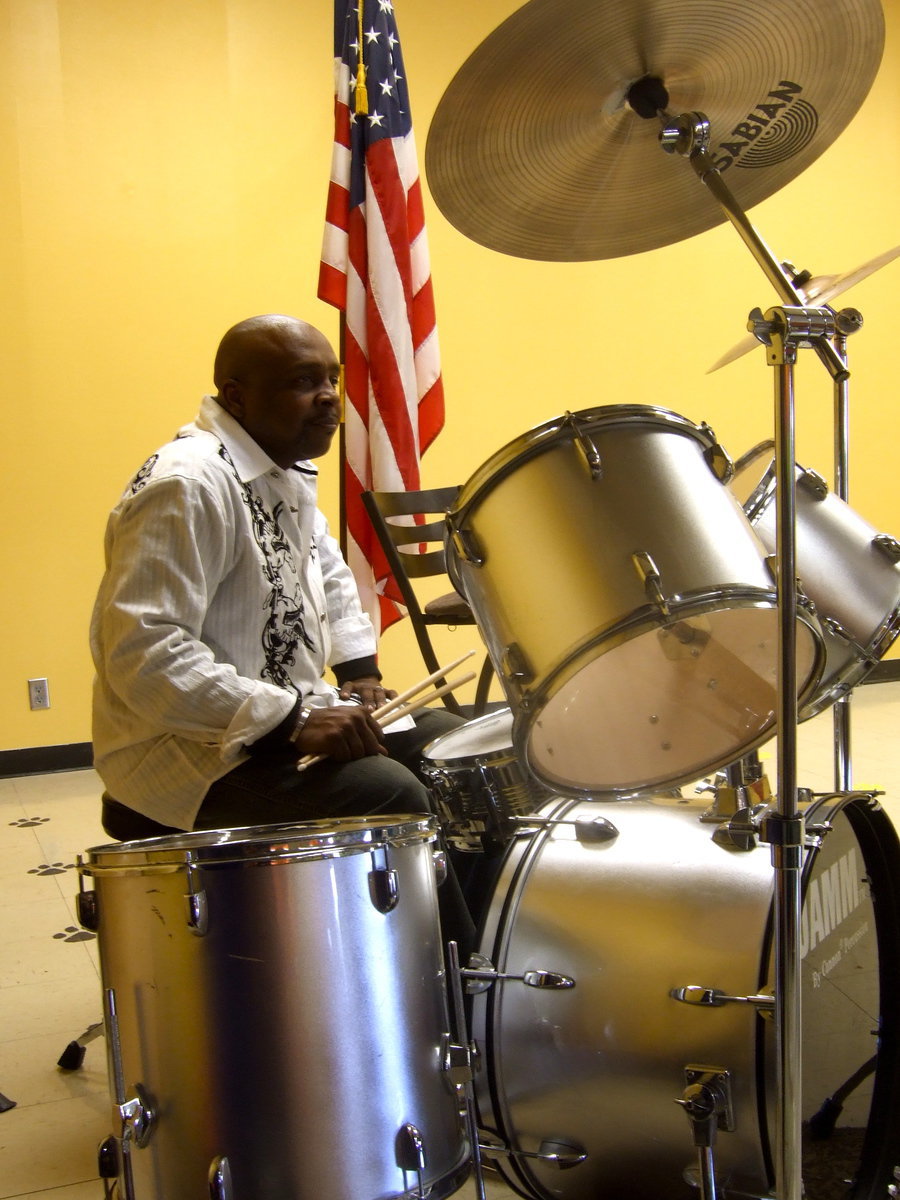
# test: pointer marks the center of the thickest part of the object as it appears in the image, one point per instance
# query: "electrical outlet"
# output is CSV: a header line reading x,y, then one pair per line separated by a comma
x,y
38,693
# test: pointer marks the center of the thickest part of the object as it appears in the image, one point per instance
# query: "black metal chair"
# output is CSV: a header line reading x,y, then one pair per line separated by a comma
x,y
411,527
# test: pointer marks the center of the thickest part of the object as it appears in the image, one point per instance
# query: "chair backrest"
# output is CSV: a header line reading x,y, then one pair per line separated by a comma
x,y
414,546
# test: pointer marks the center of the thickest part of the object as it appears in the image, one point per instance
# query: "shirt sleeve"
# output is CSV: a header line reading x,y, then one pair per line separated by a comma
x,y
352,633
166,555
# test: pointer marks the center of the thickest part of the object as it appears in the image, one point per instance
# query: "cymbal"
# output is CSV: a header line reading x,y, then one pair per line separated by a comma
x,y
536,151
820,290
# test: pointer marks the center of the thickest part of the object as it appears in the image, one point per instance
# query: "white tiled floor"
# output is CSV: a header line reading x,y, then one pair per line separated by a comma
x,y
49,981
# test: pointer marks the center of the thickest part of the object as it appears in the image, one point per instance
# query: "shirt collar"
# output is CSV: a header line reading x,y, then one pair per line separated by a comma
x,y
249,458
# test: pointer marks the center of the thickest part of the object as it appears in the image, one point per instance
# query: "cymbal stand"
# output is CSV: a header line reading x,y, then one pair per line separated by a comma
x,y
848,321
786,328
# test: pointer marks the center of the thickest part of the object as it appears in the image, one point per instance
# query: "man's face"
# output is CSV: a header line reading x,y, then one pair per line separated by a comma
x,y
286,395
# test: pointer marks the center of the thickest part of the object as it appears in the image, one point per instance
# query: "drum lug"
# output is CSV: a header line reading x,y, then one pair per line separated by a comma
x,y
515,665
384,890
87,907
220,1185
466,545
481,973
409,1150
813,482
717,457
888,546
648,573
439,859
198,909
586,446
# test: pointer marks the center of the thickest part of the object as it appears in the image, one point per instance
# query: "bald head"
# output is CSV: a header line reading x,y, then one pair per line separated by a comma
x,y
247,346
278,377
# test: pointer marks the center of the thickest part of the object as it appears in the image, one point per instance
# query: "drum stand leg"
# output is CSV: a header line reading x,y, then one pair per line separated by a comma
x,y
464,1049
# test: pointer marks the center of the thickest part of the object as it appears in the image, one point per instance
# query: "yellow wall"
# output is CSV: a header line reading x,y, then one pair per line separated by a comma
x,y
162,174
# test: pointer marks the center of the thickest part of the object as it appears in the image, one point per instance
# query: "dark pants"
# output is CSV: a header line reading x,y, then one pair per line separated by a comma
x,y
269,790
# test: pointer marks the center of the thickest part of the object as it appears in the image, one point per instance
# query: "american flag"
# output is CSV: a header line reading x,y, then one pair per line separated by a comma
x,y
375,268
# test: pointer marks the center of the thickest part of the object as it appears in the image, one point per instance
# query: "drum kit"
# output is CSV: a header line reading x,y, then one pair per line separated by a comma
x,y
668,996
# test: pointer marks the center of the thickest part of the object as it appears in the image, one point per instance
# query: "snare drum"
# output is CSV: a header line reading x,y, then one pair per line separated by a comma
x,y
625,601
479,781
593,1072
849,571
280,1011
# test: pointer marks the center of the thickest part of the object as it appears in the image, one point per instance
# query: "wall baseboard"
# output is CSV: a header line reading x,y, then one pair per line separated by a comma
x,y
41,760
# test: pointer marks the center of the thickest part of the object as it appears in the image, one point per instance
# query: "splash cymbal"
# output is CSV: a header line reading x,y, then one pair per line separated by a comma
x,y
536,149
821,290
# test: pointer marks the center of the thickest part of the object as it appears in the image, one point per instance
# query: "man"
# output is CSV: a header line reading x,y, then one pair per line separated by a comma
x,y
223,603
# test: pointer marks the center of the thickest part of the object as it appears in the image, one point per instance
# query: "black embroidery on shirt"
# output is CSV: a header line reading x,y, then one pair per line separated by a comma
x,y
285,625
143,474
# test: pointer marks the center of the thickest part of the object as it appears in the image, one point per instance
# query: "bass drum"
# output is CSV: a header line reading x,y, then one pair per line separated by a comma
x,y
281,1013
625,601
596,1070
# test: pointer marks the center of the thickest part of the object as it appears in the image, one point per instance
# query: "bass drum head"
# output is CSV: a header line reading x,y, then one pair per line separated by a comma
x,y
598,1069
850,948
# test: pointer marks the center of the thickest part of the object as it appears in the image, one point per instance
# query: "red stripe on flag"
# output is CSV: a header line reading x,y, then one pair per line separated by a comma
x,y
374,268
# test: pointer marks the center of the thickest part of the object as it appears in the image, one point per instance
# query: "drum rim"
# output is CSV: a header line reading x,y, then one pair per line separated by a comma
x,y
430,752
545,436
260,844
696,604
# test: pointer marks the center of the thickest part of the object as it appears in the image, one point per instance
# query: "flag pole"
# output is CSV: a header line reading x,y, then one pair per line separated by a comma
x,y
342,436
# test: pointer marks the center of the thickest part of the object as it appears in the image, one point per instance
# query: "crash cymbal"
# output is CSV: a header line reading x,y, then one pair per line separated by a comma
x,y
536,151
820,290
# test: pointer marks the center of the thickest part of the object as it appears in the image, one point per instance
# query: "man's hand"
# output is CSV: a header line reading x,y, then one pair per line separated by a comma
x,y
341,732
368,691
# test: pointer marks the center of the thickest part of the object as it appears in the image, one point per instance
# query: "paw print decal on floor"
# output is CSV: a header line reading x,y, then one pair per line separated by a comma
x,y
28,822
72,933
56,868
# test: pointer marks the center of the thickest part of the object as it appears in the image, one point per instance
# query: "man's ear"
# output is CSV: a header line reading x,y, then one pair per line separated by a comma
x,y
231,397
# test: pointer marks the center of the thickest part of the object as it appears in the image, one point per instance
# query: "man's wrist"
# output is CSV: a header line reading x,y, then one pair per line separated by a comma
x,y
303,715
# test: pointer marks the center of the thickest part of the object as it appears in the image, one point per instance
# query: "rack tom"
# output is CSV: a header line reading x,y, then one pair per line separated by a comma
x,y
625,600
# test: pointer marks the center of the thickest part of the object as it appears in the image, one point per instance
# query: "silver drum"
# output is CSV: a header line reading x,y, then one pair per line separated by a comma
x,y
849,571
281,1013
625,601
479,781
593,1072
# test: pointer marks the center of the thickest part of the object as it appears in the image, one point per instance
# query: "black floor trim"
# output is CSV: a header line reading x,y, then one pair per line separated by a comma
x,y
41,760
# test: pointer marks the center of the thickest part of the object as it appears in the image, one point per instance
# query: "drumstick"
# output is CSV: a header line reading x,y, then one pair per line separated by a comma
x,y
418,687
397,714
421,701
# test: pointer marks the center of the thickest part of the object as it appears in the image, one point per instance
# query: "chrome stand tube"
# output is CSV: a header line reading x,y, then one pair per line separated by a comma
x,y
784,830
843,770
688,136
463,1040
